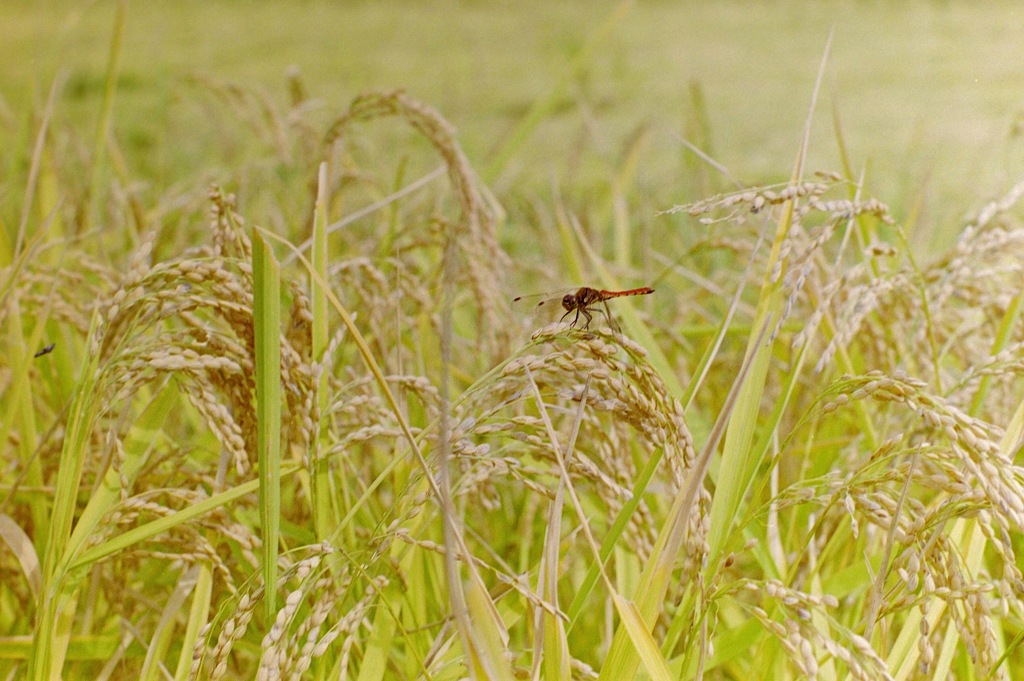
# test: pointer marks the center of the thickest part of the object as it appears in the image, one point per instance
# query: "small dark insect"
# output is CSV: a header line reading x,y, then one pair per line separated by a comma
x,y
45,351
583,301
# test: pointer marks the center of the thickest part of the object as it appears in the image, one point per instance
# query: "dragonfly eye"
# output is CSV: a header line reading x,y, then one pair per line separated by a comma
x,y
569,302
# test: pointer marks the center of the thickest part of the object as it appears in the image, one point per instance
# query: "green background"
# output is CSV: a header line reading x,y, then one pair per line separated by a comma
x,y
929,94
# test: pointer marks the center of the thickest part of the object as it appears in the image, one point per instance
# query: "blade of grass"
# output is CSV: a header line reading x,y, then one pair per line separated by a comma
x,y
107,106
197,618
551,648
640,635
739,462
20,411
47,657
1004,335
165,629
622,660
634,635
323,519
36,169
554,648
481,628
612,539
20,545
137,447
876,594
381,638
487,659
267,321
165,523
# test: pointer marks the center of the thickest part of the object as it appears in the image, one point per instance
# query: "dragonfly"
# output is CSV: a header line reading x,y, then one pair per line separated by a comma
x,y
583,300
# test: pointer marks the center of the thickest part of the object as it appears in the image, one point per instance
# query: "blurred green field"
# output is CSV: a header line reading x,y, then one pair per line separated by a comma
x,y
928,93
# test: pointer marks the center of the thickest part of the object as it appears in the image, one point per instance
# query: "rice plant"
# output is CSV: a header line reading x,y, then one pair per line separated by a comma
x,y
797,458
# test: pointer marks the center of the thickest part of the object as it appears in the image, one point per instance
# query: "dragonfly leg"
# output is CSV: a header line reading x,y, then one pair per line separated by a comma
x,y
608,315
586,313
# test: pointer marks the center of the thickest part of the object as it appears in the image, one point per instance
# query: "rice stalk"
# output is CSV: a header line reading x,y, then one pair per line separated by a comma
x,y
868,528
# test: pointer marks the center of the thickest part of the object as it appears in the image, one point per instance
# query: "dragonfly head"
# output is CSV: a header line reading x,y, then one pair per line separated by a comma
x,y
569,302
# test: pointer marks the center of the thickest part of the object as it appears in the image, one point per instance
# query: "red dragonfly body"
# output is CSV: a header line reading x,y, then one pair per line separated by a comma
x,y
582,300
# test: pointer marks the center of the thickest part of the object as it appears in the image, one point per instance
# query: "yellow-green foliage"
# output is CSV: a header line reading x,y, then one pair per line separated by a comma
x,y
798,460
